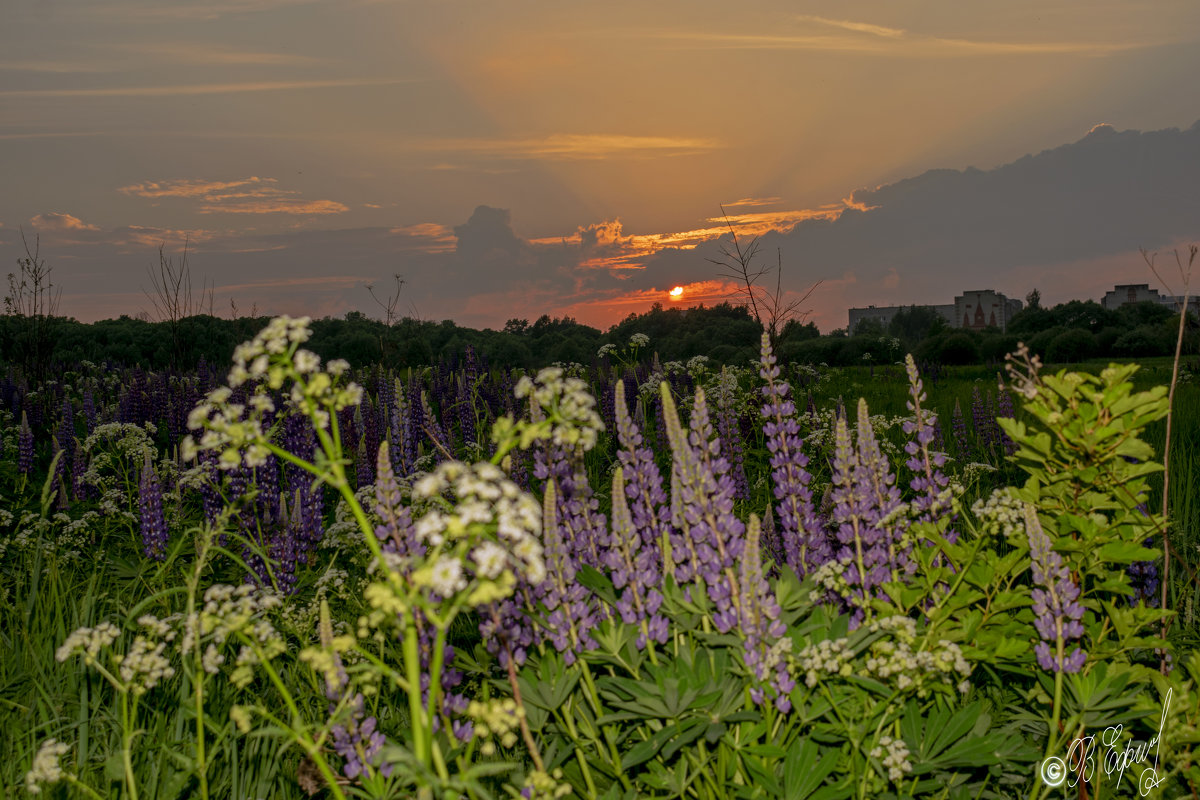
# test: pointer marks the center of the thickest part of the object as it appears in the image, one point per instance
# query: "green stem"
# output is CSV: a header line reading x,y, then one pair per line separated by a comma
x,y
127,745
412,667
306,742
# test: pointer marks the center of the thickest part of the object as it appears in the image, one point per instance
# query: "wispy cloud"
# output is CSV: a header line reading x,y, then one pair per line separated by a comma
x,y
895,42
857,27
572,146
754,201
216,55
253,195
432,237
54,221
177,90
282,206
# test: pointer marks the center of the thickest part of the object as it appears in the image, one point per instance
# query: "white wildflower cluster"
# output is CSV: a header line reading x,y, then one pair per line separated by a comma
x,y
894,754
495,720
88,642
62,537
639,340
649,390
541,785
123,440
46,769
567,403
236,611
268,361
830,576
491,532
828,657
894,657
572,369
145,665
1002,513
606,350
697,365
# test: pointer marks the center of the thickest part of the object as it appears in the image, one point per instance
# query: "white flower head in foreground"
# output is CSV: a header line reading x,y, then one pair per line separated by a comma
x,y
46,768
484,529
263,365
567,403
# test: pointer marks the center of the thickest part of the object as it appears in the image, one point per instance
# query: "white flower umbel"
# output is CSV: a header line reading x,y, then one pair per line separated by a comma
x,y
569,409
46,769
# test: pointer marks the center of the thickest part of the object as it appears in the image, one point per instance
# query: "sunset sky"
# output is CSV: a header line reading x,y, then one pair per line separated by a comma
x,y
511,159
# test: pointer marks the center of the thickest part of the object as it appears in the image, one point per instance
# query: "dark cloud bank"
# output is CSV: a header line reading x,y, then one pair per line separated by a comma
x,y
1068,220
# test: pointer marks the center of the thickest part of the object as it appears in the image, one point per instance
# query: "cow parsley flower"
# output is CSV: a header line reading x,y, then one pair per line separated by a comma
x,y
46,769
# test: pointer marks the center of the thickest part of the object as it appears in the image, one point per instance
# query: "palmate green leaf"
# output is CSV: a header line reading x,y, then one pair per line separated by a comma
x,y
805,769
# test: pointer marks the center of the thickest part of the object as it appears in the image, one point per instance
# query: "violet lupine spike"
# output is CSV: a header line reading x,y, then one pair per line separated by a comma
x,y
931,488
354,737
89,412
634,573
732,446
153,523
1056,608
893,554
1005,409
761,628
979,417
801,531
682,549
962,447
716,536
772,544
395,531
1144,578
363,474
25,446
80,489
648,500
572,616
284,547
848,518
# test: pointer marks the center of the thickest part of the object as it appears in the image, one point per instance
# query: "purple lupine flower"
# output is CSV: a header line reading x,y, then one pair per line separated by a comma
x,y
285,546
1005,409
89,412
644,487
805,546
761,628
80,489
1143,576
66,431
962,447
715,536
864,505
772,543
25,446
929,483
634,572
572,610
150,507
884,497
1056,607
362,466
397,535
354,737
980,417
732,447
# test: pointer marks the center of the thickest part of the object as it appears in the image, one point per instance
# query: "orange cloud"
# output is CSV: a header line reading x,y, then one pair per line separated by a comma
x,y
435,238
284,206
207,190
53,221
188,89
253,195
568,146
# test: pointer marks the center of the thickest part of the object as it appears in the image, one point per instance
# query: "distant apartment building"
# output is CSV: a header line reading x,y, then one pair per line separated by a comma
x,y
975,310
1125,293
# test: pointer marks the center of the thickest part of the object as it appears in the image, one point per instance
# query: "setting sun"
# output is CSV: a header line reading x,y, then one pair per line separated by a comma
x,y
676,293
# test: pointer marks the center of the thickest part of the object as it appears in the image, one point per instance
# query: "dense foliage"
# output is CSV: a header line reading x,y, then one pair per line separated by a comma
x,y
640,579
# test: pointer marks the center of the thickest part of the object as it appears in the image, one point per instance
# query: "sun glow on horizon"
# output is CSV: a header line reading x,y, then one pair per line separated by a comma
x,y
676,293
